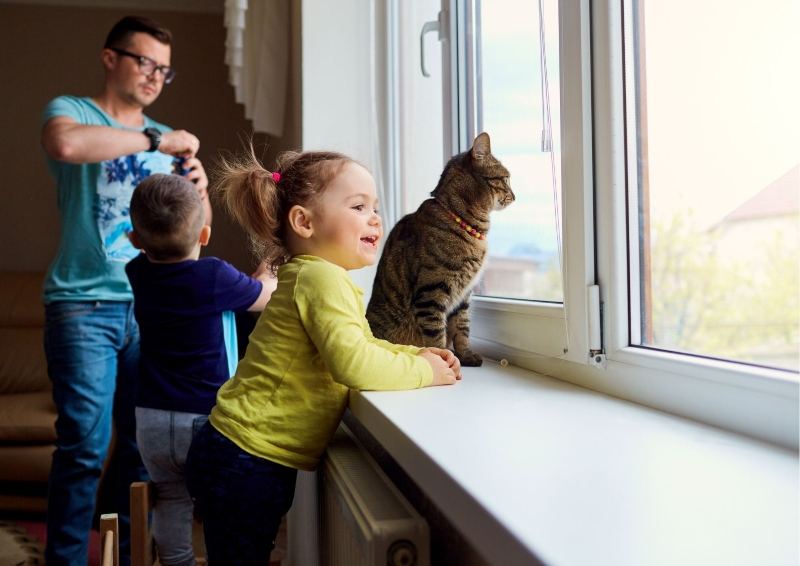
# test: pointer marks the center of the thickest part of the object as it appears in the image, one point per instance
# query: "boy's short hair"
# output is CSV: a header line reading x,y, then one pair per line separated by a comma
x,y
122,31
167,216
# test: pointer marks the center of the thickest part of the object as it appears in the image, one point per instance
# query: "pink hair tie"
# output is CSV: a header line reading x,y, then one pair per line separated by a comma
x,y
276,176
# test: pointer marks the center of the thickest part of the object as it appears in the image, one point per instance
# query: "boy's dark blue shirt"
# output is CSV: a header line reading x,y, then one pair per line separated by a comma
x,y
179,309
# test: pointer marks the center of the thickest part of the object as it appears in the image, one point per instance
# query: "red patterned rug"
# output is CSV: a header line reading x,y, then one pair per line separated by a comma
x,y
18,547
22,543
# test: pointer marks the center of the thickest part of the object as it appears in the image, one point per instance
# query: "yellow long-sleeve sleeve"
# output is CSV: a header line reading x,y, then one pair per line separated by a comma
x,y
310,346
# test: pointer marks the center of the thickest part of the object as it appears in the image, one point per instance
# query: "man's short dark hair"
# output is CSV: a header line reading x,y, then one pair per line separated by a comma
x,y
120,34
167,216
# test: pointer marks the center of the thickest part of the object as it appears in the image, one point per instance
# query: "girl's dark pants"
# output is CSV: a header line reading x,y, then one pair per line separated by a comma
x,y
240,498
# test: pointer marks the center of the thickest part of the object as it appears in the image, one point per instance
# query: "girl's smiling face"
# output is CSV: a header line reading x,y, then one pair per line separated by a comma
x,y
345,227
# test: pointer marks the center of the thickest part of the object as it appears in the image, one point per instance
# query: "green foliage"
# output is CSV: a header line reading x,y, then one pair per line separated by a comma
x,y
707,300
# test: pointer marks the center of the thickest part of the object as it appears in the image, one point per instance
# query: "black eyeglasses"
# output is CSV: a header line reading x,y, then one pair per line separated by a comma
x,y
147,66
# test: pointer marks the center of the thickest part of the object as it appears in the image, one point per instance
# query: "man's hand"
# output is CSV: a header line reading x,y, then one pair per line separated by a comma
x,y
179,143
195,173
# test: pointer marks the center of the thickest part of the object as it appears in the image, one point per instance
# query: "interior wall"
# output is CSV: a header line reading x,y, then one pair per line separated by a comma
x,y
336,51
49,51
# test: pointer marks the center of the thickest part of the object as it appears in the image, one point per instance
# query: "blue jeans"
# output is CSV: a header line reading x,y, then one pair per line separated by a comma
x,y
92,351
164,438
241,499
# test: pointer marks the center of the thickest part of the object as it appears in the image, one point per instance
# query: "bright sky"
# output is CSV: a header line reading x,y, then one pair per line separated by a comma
x,y
512,106
723,101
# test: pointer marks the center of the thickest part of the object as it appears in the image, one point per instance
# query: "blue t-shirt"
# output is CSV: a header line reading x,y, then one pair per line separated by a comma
x,y
94,201
179,308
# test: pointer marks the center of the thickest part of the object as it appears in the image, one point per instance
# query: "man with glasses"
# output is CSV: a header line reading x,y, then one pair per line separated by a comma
x,y
99,149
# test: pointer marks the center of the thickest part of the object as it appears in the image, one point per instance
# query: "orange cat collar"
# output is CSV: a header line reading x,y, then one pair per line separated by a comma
x,y
467,228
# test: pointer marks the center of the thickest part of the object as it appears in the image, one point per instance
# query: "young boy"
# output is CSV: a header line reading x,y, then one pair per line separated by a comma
x,y
182,304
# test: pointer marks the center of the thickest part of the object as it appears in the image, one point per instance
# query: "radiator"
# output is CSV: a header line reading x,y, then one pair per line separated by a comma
x,y
364,519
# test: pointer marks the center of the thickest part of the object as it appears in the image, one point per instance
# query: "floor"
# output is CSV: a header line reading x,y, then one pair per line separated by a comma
x,y
36,528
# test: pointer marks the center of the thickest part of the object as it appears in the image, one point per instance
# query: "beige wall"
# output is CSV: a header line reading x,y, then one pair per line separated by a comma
x,y
48,51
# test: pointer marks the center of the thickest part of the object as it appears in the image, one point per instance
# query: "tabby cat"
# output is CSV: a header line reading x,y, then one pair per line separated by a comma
x,y
433,256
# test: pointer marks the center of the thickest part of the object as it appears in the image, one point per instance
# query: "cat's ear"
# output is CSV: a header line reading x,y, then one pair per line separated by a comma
x,y
300,221
481,147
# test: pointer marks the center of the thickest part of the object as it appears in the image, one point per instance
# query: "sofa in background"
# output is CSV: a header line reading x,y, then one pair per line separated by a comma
x,y
27,411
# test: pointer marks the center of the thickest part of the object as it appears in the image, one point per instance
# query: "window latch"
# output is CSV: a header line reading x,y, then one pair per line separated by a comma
x,y
438,25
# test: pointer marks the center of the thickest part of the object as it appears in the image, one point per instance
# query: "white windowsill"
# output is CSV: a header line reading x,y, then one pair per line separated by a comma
x,y
526,466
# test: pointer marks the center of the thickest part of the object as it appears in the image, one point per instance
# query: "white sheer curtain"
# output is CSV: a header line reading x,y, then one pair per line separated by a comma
x,y
257,55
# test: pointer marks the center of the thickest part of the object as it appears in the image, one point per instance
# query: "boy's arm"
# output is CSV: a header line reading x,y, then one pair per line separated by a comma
x,y
268,284
230,289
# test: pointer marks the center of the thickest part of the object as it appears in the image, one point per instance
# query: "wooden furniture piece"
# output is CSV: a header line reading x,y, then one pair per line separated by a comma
x,y
143,549
27,411
109,540
142,545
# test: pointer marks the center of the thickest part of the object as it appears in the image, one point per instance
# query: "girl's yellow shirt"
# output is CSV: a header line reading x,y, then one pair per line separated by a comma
x,y
311,345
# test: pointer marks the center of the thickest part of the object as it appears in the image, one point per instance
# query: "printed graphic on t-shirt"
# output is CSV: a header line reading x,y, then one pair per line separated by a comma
x,y
118,178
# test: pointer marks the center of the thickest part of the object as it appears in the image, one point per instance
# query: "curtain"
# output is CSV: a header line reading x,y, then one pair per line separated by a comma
x,y
257,55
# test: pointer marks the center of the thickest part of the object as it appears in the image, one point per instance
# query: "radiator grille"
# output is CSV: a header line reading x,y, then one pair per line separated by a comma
x,y
365,520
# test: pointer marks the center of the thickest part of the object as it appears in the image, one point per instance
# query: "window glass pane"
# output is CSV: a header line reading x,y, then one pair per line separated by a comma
x,y
518,105
713,120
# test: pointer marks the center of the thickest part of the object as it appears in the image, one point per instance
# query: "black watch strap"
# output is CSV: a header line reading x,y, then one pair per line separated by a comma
x,y
154,135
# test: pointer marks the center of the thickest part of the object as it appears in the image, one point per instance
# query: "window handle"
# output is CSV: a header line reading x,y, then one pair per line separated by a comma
x,y
433,25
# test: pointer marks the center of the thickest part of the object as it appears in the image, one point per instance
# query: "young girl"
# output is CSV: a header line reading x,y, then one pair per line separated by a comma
x,y
313,219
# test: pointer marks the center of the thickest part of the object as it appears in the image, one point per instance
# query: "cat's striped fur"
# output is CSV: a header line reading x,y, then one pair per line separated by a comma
x,y
430,262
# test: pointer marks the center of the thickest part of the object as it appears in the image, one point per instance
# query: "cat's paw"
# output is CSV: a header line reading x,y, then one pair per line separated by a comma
x,y
470,359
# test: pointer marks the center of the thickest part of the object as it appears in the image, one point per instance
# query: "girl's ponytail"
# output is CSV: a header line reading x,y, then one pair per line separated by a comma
x,y
259,200
250,195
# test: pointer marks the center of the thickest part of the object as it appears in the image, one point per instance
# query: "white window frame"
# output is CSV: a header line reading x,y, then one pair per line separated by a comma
x,y
764,394
506,326
760,402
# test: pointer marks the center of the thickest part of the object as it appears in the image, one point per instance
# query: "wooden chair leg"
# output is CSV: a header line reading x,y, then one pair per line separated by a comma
x,y
141,538
198,543
109,539
143,552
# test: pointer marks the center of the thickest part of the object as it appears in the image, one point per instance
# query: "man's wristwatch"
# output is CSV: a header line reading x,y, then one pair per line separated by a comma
x,y
154,135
